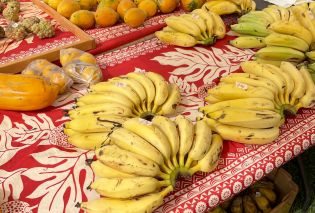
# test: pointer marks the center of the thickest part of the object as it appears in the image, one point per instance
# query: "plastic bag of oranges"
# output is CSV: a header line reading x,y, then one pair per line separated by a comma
x,y
51,72
70,54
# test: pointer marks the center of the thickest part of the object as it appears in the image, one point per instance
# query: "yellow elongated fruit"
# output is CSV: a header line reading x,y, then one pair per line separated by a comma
x,y
248,42
280,54
219,29
176,38
198,21
146,83
95,123
161,90
282,40
311,6
299,84
212,100
310,55
308,99
186,136
126,188
130,141
222,7
101,109
210,161
152,134
293,29
144,204
248,28
70,132
306,19
101,170
256,119
275,13
172,101
128,162
168,127
243,103
244,135
208,19
263,61
89,141
201,143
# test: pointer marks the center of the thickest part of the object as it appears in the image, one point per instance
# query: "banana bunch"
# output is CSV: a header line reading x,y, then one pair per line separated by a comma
x,y
187,30
260,197
139,164
249,107
224,7
111,103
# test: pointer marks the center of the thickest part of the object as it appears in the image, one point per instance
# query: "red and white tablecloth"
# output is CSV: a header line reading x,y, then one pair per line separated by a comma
x,y
41,172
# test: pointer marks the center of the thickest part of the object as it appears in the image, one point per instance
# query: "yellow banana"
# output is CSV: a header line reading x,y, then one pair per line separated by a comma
x,y
221,7
308,99
208,19
212,100
219,29
306,19
275,13
89,141
248,42
101,170
280,53
198,21
176,38
310,55
172,101
282,40
263,61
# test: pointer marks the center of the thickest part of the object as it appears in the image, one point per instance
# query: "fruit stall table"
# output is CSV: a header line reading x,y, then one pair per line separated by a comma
x,y
41,172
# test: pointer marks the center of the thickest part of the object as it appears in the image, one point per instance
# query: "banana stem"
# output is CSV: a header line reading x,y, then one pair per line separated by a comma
x,y
207,41
166,191
194,169
188,162
173,176
165,183
166,169
175,163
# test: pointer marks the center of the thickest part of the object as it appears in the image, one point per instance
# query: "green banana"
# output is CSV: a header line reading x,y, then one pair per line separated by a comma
x,y
310,55
250,29
249,18
248,42
280,54
282,40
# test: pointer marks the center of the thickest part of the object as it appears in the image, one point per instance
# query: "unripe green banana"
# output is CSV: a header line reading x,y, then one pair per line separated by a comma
x,y
250,29
249,18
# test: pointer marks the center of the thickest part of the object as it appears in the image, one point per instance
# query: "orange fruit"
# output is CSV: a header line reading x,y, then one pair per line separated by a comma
x,y
67,7
167,6
106,16
109,3
83,19
87,58
134,17
149,6
123,6
190,5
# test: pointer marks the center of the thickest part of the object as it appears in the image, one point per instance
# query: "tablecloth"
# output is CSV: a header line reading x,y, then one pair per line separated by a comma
x,y
41,172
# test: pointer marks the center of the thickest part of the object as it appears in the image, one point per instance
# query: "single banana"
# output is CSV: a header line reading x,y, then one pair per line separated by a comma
x,y
115,109
299,83
127,162
248,28
146,83
210,161
131,142
152,134
256,119
200,22
144,204
219,29
280,54
168,127
263,15
161,90
244,135
249,18
70,132
310,55
221,8
168,29
126,188
275,13
308,99
248,42
244,103
101,170
201,143
186,137
95,123
273,62
172,101
261,201
176,38
282,40
249,205
89,141
293,29
212,100
208,19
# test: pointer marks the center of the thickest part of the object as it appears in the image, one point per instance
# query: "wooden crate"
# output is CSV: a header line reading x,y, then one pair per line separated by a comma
x,y
85,42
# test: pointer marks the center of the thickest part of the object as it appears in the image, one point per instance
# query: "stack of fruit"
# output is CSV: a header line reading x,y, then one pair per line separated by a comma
x,y
223,7
187,30
249,107
259,197
283,34
139,163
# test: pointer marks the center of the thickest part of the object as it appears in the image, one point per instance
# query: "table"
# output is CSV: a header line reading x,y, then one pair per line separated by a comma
x,y
41,172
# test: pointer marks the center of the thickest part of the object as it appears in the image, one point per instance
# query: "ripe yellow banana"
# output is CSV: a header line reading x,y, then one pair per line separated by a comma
x,y
144,204
219,29
310,55
210,161
293,29
248,42
126,188
208,19
168,127
212,100
186,137
200,22
89,141
172,101
280,53
101,170
176,38
221,7
201,143
256,119
282,40
130,141
244,103
308,99
70,132
244,135
275,13
263,61
299,84
284,12
311,6
306,19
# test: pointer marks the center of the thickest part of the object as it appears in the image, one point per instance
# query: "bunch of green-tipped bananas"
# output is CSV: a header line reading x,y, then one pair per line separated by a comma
x,y
249,107
140,161
187,30
281,34
110,103
223,7
260,197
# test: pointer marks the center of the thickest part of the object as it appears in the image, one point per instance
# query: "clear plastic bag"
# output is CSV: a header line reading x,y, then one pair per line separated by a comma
x,y
71,54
